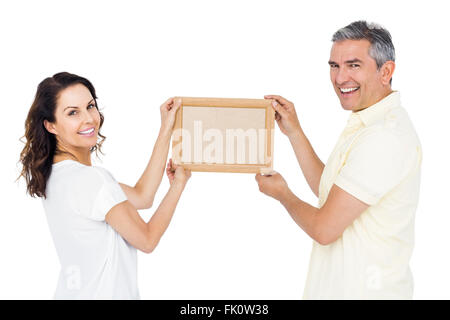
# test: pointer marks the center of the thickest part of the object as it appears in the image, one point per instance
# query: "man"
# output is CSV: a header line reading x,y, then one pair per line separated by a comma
x,y
363,228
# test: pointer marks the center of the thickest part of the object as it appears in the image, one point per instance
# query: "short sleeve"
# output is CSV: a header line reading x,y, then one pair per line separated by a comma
x,y
95,192
375,164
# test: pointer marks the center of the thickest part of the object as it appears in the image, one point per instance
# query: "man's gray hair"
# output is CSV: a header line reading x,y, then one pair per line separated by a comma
x,y
381,47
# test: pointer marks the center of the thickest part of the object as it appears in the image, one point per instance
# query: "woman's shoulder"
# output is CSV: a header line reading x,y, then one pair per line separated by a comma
x,y
75,168
82,189
77,174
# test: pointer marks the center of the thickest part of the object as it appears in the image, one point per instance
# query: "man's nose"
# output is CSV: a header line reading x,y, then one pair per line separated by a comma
x,y
342,76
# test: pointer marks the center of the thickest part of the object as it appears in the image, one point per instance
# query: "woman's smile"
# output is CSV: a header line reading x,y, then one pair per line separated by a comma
x,y
88,132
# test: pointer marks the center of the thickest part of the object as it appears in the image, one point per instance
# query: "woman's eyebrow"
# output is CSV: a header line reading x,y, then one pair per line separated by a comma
x,y
76,106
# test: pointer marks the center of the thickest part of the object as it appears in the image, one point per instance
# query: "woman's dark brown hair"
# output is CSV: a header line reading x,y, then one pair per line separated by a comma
x,y
40,145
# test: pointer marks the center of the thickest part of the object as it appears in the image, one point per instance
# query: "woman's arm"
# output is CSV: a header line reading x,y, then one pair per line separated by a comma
x,y
145,236
142,194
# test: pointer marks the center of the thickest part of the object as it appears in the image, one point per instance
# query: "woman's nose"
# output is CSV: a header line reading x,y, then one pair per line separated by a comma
x,y
88,118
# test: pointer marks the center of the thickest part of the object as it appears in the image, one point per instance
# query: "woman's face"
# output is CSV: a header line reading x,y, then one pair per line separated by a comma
x,y
77,119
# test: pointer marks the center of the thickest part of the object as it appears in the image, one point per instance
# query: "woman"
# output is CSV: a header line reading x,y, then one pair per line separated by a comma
x,y
92,218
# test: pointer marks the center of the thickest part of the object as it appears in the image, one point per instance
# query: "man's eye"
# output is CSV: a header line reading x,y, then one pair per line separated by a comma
x,y
333,66
354,65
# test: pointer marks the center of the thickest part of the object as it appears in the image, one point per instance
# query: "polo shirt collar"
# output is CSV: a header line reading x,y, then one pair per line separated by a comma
x,y
377,111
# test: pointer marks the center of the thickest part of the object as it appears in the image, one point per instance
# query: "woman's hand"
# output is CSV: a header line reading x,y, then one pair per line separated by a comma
x,y
285,115
177,174
168,111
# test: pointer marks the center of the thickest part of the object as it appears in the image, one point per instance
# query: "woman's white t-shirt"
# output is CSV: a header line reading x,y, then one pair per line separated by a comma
x,y
96,262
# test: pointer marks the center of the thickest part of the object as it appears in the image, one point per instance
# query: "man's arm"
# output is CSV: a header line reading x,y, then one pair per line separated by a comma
x,y
324,225
312,167
287,120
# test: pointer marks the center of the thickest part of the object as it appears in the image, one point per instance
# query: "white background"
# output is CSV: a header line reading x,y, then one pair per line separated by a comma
x,y
226,240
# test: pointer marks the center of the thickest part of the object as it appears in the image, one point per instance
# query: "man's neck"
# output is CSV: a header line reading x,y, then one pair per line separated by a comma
x,y
377,99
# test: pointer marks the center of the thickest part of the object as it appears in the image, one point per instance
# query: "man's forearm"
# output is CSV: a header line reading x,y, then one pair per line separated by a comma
x,y
312,167
303,213
150,180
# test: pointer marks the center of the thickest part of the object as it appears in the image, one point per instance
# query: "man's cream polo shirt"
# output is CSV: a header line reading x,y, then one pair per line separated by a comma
x,y
377,159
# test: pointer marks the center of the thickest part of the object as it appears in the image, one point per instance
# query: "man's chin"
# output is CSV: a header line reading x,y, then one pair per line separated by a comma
x,y
352,107
347,107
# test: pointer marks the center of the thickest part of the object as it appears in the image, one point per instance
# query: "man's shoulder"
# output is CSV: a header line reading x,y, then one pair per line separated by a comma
x,y
395,125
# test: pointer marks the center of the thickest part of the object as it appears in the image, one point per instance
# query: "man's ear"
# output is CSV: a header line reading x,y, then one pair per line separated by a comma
x,y
387,70
50,126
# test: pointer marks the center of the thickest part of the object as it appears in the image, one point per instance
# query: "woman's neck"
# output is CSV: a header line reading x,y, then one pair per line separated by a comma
x,y
81,157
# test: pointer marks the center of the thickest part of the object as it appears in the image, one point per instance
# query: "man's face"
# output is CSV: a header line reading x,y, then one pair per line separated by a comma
x,y
353,72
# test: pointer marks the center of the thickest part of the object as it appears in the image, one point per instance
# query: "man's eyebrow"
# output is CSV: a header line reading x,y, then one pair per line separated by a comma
x,y
76,106
356,60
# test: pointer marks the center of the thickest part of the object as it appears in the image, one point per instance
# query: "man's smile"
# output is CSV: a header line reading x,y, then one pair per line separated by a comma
x,y
346,92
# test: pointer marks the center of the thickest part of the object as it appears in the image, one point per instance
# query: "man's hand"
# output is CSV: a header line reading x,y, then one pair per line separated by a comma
x,y
272,185
285,115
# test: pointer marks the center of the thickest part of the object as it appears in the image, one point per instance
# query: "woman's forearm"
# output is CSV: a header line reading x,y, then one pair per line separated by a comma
x,y
160,220
150,180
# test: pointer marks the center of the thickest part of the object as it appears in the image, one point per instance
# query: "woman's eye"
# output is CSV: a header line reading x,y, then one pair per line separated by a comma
x,y
71,113
91,106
